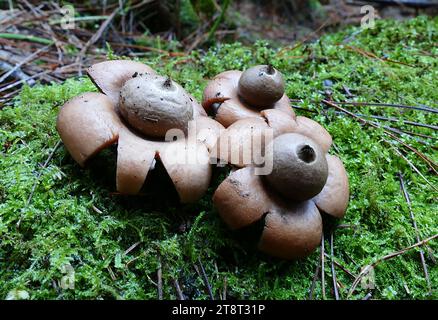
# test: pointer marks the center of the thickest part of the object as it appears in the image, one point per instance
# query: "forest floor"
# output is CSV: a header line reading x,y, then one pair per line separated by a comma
x,y
59,222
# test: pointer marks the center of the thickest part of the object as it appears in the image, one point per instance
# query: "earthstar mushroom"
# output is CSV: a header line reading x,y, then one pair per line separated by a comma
x,y
223,99
93,121
305,181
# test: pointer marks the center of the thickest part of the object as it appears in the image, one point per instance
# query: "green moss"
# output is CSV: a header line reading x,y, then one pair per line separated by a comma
x,y
74,219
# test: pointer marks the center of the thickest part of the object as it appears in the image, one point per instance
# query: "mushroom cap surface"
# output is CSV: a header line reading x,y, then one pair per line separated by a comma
x,y
261,86
300,167
154,105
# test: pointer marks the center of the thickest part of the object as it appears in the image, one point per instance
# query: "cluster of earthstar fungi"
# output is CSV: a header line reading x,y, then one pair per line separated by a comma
x,y
137,109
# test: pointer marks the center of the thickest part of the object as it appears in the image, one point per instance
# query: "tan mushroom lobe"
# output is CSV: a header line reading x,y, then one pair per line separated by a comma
x,y
241,198
135,157
242,142
279,121
315,131
220,99
87,124
333,199
221,88
291,231
188,167
110,76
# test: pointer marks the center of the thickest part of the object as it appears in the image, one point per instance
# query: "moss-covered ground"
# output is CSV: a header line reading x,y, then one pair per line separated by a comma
x,y
75,221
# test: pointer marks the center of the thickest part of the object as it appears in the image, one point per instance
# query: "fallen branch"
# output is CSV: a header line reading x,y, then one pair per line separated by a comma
x,y
396,130
24,61
94,38
14,71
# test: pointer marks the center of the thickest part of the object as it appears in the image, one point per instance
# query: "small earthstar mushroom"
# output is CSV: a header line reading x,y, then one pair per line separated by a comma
x,y
304,183
261,86
234,95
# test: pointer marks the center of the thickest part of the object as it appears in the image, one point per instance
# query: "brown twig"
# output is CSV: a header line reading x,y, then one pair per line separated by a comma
x,y
306,38
315,278
411,123
112,274
224,297
178,289
16,83
144,48
392,105
373,56
403,134
376,104
414,133
335,285
205,279
367,268
94,38
340,266
160,278
17,73
24,61
323,267
414,223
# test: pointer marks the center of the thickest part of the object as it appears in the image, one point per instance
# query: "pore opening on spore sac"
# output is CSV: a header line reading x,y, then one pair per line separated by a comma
x,y
167,83
306,154
270,69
